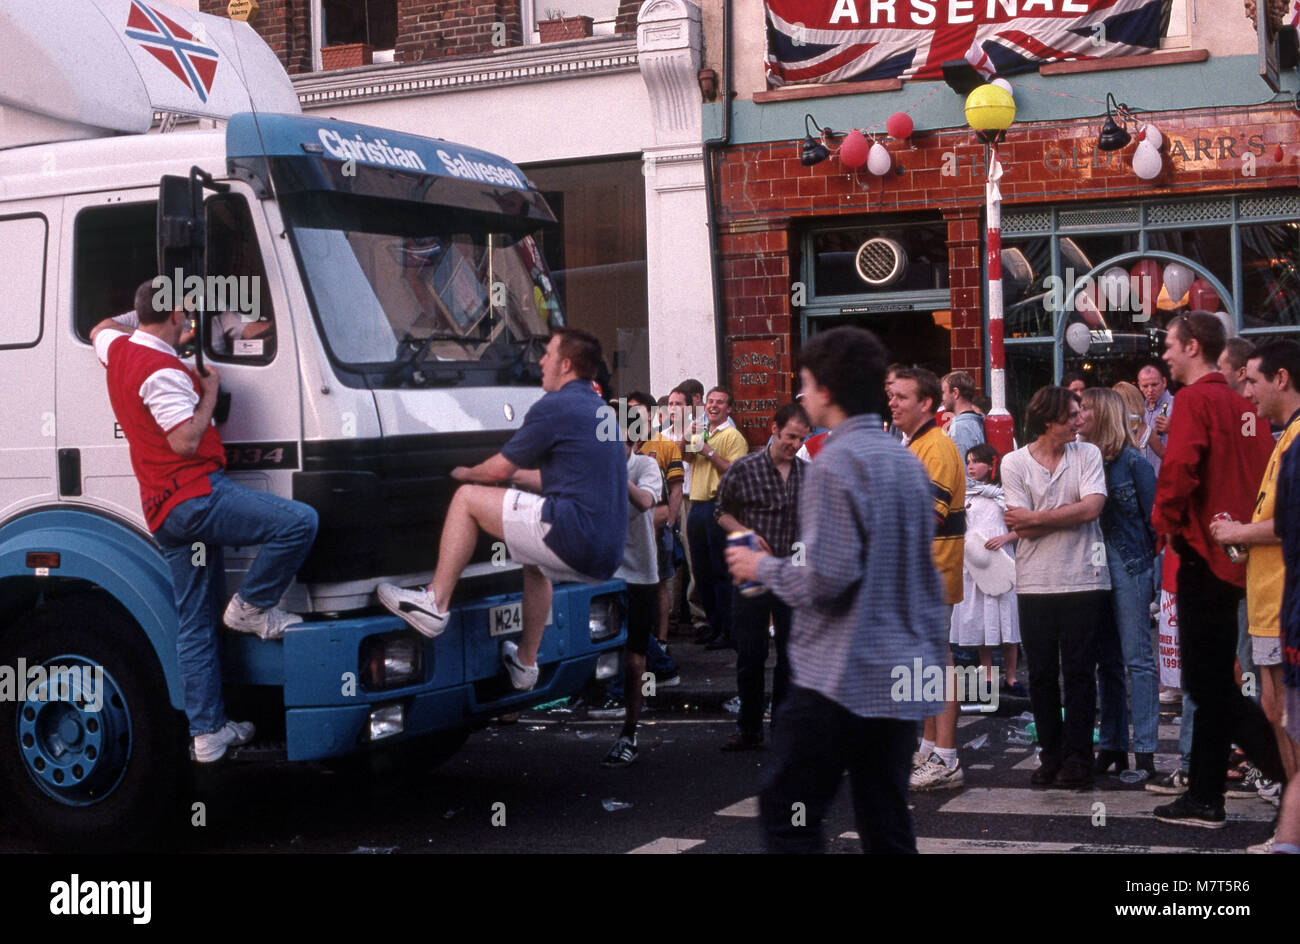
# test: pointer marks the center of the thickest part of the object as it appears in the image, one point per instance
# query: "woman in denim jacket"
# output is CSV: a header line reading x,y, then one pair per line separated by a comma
x,y
1130,554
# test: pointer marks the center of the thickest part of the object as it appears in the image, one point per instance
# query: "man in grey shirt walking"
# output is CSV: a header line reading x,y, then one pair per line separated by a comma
x,y
868,647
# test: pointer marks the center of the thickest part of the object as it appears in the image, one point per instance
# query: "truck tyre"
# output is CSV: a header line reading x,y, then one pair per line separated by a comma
x,y
74,777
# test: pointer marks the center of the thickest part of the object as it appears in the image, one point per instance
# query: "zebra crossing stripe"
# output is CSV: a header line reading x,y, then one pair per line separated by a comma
x,y
1118,803
745,809
666,846
933,846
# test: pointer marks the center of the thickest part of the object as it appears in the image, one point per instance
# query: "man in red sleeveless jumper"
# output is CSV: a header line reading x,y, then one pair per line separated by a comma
x,y
165,412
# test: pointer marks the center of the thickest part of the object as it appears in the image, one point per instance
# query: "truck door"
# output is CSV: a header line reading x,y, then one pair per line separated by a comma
x,y
114,249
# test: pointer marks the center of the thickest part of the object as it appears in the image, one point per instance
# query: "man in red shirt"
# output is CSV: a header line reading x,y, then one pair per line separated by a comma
x,y
1217,444
192,509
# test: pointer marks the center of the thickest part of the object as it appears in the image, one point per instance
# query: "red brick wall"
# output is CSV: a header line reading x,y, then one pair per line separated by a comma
x,y
437,29
625,22
284,24
767,198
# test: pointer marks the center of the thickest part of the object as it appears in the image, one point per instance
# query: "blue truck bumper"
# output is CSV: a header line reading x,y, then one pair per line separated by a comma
x,y
329,706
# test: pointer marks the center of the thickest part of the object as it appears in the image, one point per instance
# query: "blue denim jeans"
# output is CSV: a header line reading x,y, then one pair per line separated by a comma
x,y
709,560
239,517
1126,644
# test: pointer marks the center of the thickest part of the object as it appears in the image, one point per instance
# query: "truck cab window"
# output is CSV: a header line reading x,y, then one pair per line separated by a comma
x,y
242,324
114,252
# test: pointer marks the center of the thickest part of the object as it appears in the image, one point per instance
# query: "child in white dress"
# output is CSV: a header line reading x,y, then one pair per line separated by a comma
x,y
987,615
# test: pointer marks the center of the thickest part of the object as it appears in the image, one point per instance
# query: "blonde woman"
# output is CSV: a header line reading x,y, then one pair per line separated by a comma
x,y
1130,555
1135,406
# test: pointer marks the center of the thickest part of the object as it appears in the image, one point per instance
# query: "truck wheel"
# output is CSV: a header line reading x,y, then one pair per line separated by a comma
x,y
95,761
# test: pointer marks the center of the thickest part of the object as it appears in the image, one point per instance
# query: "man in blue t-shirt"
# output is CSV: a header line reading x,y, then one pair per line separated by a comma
x,y
567,450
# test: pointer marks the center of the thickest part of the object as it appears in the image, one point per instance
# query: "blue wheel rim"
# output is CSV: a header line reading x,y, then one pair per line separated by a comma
x,y
74,730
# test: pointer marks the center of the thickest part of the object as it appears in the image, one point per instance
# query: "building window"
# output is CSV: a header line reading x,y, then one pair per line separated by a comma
x,y
1175,32
342,22
602,13
598,259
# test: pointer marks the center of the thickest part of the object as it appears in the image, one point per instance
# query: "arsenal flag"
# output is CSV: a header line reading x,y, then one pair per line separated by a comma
x,y
813,41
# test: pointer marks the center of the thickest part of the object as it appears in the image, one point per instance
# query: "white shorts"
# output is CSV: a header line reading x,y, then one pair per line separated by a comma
x,y
521,521
1266,650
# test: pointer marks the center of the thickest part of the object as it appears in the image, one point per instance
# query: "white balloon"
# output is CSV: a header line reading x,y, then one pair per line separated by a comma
x,y
1226,319
1113,288
1178,279
879,160
1003,84
1147,161
1153,135
1078,337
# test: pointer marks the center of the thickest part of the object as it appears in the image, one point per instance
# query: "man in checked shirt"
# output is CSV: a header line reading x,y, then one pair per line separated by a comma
x,y
760,492
868,612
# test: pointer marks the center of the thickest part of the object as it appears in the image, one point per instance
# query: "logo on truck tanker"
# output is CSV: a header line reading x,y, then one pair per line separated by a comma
x,y
191,61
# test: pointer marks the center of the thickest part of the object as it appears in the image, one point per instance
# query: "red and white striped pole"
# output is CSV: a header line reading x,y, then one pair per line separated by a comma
x,y
999,430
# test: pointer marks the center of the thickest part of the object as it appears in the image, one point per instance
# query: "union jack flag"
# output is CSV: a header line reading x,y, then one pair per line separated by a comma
x,y
815,41
184,54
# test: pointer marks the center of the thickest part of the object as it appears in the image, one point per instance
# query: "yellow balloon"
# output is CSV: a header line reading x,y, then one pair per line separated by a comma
x,y
990,108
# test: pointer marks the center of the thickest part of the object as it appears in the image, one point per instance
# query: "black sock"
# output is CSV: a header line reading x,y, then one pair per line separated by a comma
x,y
629,730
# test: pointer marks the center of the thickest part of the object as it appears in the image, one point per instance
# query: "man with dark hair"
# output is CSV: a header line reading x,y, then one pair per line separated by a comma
x,y
1055,491
760,493
1217,443
712,450
1232,363
868,607
967,427
572,531
165,412
694,391
1273,384
668,509
912,400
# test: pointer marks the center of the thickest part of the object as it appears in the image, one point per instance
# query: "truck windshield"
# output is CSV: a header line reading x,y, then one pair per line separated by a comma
x,y
404,298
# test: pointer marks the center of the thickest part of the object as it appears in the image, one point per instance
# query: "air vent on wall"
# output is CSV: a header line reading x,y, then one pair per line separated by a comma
x,y
881,262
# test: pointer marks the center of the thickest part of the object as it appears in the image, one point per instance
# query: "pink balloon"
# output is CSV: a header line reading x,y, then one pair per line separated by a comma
x,y
1145,280
899,126
1202,296
854,150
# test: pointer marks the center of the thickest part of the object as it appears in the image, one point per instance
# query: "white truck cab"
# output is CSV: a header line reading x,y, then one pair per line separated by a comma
x,y
377,303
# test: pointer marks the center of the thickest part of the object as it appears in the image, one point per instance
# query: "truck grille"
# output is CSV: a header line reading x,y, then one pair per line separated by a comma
x,y
382,501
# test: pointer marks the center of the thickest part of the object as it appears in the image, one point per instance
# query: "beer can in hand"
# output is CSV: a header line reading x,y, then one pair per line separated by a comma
x,y
1236,552
747,539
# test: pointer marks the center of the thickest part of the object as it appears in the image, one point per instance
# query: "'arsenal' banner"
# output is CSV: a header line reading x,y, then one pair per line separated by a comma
x,y
839,40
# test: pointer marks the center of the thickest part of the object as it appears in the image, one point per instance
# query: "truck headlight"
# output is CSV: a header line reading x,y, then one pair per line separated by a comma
x,y
386,722
607,665
604,617
391,660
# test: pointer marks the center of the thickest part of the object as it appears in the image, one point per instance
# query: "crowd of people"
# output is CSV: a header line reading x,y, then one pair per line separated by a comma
x,y
1063,546
873,532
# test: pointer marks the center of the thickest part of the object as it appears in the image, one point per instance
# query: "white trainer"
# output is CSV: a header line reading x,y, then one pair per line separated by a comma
x,y
934,774
918,759
416,607
1263,848
208,748
268,623
522,677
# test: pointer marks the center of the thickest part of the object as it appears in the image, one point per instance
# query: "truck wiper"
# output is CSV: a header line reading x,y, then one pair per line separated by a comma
x,y
406,371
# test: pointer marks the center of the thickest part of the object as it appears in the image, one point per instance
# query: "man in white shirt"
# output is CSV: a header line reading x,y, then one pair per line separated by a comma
x,y
1055,490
